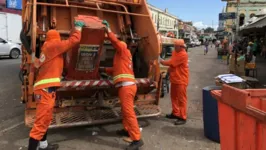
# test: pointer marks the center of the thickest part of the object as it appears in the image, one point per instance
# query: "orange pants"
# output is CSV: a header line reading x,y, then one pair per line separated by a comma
x,y
179,100
44,113
130,122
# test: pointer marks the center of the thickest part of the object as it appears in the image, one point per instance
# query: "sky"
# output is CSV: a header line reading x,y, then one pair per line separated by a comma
x,y
203,13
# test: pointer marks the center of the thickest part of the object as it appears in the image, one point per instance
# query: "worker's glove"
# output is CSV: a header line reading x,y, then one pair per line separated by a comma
x,y
106,24
79,25
160,59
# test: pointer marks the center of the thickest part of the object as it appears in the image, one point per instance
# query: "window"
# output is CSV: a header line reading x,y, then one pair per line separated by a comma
x,y
155,19
241,19
252,15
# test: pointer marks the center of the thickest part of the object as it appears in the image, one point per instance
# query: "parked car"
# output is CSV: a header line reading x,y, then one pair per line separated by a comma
x,y
193,43
10,49
188,42
198,43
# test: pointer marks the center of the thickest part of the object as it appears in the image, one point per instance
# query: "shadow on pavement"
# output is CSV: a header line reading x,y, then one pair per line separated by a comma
x,y
99,135
189,133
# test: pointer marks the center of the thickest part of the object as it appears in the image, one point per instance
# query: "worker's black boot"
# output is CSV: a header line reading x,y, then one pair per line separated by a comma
x,y
122,132
50,147
172,116
180,121
135,145
33,144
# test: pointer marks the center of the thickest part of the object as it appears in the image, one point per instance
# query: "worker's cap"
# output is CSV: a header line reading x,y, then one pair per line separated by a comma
x,y
52,35
250,43
123,44
179,42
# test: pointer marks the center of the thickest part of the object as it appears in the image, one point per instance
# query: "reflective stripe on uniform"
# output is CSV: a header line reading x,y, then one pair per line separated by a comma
x,y
124,76
46,81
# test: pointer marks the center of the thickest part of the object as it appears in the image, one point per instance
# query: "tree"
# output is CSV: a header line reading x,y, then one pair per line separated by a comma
x,y
209,30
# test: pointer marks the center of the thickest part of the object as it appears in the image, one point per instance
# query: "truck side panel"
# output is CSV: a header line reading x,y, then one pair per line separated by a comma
x,y
14,26
3,26
10,27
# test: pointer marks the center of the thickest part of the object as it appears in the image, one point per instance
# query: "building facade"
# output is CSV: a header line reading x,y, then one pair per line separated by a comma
x,y
245,10
166,21
163,19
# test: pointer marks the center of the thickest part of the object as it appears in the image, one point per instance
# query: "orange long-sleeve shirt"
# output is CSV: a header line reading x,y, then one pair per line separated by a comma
x,y
122,69
178,67
51,60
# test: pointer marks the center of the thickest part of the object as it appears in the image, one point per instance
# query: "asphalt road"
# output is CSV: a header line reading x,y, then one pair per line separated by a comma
x,y
158,133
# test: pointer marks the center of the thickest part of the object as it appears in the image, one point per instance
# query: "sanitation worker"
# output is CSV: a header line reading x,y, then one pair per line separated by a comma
x,y
50,67
179,74
124,80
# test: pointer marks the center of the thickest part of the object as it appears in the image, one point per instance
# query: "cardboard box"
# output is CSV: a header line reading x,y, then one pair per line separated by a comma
x,y
238,69
241,85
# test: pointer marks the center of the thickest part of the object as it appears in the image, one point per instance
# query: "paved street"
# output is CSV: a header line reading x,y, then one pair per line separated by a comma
x,y
158,133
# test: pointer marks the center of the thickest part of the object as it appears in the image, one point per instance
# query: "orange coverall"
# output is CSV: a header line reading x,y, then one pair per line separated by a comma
x,y
50,67
122,71
179,74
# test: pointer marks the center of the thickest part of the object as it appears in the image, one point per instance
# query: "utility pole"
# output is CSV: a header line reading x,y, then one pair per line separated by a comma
x,y
237,20
158,21
237,29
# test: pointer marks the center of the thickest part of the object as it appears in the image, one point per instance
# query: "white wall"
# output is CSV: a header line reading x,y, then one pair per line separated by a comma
x,y
165,21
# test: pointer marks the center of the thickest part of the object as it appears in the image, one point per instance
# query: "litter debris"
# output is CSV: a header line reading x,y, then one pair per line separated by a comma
x,y
94,133
127,139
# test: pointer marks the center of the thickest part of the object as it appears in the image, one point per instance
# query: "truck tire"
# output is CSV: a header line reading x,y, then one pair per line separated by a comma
x,y
14,53
163,53
164,89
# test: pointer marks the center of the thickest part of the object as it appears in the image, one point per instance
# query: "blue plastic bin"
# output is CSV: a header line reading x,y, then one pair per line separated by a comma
x,y
210,114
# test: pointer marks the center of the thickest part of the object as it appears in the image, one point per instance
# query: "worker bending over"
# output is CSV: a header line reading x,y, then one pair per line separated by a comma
x,y
50,67
124,80
179,74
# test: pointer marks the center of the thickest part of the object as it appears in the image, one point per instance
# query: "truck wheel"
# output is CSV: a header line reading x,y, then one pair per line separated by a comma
x,y
164,87
14,53
163,54
168,83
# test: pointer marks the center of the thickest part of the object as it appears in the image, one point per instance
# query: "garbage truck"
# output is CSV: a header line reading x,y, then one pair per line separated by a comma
x,y
87,97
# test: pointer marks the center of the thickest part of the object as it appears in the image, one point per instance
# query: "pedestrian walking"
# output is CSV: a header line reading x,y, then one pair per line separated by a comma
x,y
179,74
206,47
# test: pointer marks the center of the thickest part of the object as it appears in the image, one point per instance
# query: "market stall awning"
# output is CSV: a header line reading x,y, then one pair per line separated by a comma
x,y
257,26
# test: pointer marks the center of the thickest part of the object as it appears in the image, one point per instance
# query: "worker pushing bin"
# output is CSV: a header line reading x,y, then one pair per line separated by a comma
x,y
242,118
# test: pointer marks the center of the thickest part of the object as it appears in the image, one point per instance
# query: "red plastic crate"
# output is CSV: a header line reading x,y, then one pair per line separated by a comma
x,y
242,118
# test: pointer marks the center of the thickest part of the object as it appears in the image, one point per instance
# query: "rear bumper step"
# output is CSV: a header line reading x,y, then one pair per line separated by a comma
x,y
70,118
82,84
